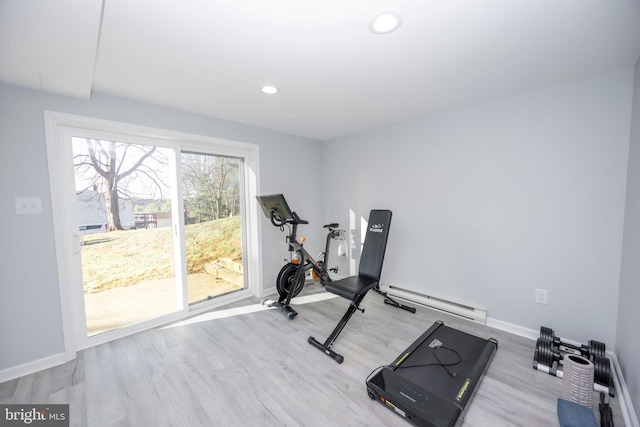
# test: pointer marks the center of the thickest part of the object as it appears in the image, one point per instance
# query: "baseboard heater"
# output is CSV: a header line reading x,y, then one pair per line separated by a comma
x,y
476,314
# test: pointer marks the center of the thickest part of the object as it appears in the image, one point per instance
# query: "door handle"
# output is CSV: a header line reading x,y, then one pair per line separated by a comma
x,y
80,241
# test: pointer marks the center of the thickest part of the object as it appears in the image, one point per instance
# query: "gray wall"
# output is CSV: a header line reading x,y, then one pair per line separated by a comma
x,y
495,200
489,201
627,340
30,318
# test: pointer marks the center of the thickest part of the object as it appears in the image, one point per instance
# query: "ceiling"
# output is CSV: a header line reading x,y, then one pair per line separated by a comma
x,y
335,77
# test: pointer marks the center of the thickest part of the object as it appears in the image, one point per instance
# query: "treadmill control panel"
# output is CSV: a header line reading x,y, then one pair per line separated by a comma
x,y
412,392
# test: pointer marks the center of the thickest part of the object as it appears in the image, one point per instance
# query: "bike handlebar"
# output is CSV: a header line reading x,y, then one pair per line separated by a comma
x,y
279,222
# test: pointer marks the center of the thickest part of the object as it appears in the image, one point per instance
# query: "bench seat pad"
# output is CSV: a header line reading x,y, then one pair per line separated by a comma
x,y
351,287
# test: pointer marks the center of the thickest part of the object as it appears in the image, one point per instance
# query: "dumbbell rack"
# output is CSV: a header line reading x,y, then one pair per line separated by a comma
x,y
550,351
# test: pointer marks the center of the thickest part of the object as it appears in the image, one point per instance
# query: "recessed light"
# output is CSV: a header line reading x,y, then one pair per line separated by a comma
x,y
269,89
385,22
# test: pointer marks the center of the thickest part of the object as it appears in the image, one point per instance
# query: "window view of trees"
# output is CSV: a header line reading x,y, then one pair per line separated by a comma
x,y
211,187
115,176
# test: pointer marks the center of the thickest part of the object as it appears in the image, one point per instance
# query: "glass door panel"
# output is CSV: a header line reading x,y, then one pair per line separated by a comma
x,y
124,219
213,224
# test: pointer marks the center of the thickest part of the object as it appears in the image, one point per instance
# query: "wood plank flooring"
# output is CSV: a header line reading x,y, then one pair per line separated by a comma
x,y
257,369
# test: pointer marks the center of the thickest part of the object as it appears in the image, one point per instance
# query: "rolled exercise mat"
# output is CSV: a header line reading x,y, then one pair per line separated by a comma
x,y
577,380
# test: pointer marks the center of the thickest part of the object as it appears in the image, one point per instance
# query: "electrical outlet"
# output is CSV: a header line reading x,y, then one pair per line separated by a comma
x,y
541,296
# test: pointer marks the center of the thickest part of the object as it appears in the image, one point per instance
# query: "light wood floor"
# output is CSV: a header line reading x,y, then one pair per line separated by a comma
x,y
257,369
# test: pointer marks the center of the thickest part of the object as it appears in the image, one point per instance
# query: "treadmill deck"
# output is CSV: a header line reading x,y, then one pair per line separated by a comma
x,y
432,381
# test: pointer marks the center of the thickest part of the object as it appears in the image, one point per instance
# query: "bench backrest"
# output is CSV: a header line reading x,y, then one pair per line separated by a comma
x,y
375,244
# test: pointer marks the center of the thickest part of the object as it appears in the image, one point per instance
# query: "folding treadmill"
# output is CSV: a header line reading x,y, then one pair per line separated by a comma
x,y
432,381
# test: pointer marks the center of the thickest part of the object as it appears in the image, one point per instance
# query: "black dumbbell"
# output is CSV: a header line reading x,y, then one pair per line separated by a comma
x,y
591,350
602,371
545,356
544,353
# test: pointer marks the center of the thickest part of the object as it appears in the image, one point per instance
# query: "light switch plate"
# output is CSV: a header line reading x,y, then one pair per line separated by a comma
x,y
28,205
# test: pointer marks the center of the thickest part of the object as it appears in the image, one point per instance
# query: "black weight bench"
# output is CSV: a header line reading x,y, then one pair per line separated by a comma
x,y
355,288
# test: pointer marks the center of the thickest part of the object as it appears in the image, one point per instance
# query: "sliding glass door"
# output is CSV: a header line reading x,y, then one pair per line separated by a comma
x,y
151,225
150,228
211,197
128,269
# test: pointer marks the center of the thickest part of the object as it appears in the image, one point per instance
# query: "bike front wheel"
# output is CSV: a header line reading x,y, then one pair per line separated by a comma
x,y
286,281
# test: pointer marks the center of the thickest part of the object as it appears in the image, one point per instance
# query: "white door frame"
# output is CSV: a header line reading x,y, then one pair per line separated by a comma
x,y
59,127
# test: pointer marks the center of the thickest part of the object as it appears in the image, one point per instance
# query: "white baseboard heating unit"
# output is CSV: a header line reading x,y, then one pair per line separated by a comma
x,y
477,314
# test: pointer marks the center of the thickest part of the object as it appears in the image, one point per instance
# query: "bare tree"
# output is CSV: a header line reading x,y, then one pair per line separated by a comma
x,y
116,165
230,186
224,184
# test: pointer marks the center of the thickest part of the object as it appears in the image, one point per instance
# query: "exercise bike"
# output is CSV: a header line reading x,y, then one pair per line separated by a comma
x,y
292,275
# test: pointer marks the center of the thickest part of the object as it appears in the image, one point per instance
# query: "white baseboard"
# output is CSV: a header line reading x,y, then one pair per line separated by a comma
x,y
513,328
32,367
268,291
622,393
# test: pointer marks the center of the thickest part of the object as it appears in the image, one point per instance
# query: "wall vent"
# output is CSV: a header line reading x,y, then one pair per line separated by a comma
x,y
463,310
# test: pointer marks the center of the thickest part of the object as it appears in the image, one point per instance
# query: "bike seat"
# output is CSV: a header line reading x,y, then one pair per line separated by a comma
x,y
332,225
